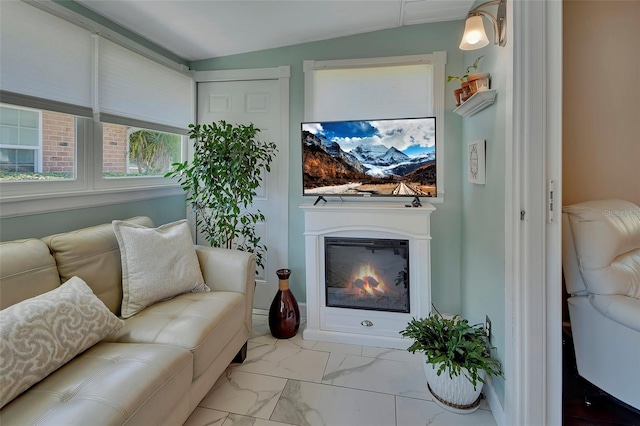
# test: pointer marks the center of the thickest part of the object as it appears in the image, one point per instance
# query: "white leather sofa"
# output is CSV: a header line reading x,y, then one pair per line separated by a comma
x,y
159,365
601,264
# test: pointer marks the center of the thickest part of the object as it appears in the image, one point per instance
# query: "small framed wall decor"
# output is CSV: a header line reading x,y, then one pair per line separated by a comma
x,y
476,162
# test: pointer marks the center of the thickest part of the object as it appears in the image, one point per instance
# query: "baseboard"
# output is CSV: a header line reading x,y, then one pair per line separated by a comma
x,y
494,403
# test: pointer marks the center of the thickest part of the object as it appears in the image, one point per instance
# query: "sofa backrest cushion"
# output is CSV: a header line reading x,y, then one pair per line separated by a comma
x,y
570,269
27,269
93,255
606,234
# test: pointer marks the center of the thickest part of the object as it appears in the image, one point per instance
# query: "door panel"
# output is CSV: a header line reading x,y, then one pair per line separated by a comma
x,y
257,102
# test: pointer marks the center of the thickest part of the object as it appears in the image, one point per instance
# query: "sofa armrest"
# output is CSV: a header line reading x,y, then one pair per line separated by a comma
x,y
229,270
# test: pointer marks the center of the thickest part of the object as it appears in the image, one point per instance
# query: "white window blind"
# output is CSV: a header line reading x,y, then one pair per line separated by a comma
x,y
396,91
45,57
136,91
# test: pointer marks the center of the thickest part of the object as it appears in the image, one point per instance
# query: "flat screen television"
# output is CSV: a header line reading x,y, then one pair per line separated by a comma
x,y
387,158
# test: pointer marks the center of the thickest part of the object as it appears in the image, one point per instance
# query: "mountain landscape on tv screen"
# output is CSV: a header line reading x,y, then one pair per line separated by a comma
x,y
376,157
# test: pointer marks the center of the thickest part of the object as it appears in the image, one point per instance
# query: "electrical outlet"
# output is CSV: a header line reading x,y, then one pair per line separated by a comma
x,y
487,327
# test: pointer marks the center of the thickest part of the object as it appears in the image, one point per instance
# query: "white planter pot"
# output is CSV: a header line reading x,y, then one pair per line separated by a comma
x,y
454,394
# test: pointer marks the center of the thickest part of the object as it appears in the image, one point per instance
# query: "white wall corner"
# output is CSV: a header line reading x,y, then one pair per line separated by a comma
x,y
494,403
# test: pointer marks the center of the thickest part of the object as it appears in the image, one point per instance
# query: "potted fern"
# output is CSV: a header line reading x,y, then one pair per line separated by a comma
x,y
221,182
457,359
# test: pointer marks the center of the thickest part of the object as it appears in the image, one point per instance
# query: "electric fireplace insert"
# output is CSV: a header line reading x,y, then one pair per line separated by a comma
x,y
367,273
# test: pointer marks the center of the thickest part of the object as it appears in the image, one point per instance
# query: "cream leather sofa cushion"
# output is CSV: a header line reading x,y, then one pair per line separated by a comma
x,y
41,334
110,384
199,322
607,240
27,269
93,255
157,263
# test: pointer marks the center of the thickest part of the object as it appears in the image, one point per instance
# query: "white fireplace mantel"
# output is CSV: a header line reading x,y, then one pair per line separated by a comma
x,y
365,220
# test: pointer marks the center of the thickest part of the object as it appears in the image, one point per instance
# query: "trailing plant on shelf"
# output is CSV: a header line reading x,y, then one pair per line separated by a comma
x,y
461,79
474,65
221,183
465,91
454,346
455,77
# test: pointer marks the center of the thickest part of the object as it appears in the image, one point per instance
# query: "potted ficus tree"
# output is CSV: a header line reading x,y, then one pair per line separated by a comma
x,y
457,359
221,182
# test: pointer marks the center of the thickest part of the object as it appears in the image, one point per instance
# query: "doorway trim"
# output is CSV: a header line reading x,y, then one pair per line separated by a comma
x,y
532,241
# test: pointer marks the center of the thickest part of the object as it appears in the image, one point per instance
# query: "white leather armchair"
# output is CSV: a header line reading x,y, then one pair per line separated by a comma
x,y
601,265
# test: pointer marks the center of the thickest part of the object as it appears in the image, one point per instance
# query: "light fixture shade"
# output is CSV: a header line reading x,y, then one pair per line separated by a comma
x,y
474,36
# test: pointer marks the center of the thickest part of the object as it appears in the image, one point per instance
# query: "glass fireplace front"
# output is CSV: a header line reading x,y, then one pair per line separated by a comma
x,y
367,273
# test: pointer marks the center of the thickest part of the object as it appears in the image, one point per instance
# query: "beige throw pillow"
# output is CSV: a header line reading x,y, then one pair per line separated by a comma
x,y
41,334
157,263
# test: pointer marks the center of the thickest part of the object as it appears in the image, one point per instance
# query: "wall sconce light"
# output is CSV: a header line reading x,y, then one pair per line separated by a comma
x,y
474,36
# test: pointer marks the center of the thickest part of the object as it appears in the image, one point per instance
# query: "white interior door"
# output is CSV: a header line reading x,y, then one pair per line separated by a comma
x,y
257,102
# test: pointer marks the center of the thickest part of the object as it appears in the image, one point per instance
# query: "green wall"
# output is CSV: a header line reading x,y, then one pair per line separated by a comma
x,y
409,40
468,254
483,237
160,210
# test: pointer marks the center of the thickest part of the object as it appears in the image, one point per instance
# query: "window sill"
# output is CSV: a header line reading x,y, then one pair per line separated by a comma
x,y
35,204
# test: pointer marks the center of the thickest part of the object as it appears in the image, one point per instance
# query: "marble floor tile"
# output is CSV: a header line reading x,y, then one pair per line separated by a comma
x,y
412,412
206,417
261,341
262,334
303,382
377,375
311,404
260,326
391,354
285,362
250,394
298,342
237,420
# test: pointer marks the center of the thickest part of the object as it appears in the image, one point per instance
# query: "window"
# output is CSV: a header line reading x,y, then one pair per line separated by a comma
x,y
144,110
36,144
371,88
134,152
85,120
20,144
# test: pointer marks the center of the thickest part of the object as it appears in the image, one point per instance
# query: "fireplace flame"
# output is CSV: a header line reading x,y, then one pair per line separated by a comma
x,y
366,281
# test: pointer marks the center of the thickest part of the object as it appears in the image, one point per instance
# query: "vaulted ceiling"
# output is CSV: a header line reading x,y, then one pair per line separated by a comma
x,y
202,29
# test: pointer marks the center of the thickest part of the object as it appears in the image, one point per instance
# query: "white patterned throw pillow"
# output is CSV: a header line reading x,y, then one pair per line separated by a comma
x,y
157,263
41,334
